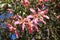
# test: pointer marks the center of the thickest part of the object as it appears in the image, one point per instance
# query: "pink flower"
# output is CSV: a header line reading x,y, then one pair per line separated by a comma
x,y
31,30
35,21
32,10
25,2
11,27
28,20
43,5
30,27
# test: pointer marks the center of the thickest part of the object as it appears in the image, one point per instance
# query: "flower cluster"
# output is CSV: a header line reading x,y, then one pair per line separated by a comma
x,y
31,21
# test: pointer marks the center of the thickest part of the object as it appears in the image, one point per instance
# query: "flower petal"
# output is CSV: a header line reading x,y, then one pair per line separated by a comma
x,y
41,19
36,27
18,16
11,27
32,10
35,21
23,26
43,5
45,16
46,11
31,30
30,16
17,22
39,10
